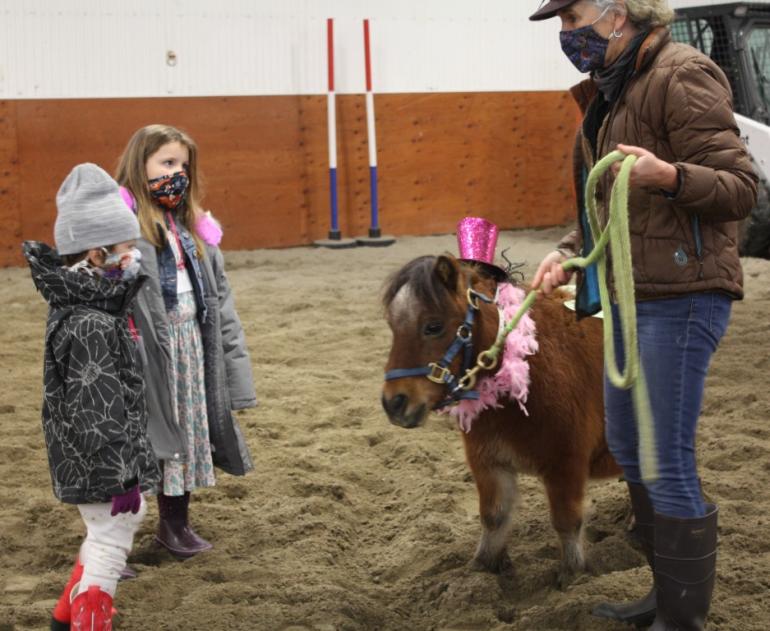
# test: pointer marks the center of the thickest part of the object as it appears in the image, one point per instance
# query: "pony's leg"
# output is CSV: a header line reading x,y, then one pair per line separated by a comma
x,y
498,491
565,495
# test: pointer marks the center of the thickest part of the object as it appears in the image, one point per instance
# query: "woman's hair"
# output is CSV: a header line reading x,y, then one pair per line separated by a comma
x,y
132,173
642,13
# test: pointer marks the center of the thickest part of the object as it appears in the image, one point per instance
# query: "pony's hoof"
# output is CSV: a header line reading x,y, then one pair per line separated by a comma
x,y
565,576
562,579
500,564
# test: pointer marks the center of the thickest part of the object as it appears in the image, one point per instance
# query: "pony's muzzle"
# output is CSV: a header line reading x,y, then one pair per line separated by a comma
x,y
396,408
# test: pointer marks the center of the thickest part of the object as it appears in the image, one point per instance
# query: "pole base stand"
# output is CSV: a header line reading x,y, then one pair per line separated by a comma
x,y
376,242
335,241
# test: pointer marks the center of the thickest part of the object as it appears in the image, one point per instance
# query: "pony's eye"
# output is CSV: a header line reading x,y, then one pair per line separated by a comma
x,y
433,328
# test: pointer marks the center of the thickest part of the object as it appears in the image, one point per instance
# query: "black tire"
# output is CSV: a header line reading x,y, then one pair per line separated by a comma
x,y
754,231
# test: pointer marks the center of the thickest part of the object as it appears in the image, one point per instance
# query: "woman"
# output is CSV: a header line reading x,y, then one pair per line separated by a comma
x,y
671,106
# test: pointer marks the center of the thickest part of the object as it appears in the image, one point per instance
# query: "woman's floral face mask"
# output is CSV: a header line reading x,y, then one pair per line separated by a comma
x,y
584,47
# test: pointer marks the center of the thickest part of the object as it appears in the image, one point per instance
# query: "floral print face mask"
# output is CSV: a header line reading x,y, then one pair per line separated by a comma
x,y
169,191
584,47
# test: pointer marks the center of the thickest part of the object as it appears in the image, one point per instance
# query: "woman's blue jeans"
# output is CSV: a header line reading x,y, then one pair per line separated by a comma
x,y
677,337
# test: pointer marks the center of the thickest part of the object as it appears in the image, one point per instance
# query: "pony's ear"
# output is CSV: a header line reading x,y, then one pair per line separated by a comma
x,y
448,270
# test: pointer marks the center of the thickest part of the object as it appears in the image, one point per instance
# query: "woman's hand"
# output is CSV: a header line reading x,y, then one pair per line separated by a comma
x,y
649,170
551,274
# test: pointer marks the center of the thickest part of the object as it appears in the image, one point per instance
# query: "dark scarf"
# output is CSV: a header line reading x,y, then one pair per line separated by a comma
x,y
610,80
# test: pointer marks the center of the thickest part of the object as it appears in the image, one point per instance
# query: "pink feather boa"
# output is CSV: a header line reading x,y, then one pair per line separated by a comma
x,y
206,227
511,381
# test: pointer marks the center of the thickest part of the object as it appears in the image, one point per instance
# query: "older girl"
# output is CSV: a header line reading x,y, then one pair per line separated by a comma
x,y
198,368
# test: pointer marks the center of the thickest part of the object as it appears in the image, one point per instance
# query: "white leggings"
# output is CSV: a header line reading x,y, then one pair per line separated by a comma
x,y
107,544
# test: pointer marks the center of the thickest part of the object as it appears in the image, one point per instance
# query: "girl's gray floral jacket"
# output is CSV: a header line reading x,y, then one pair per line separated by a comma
x,y
94,412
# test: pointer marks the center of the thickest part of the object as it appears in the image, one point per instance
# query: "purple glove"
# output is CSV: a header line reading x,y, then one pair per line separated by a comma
x,y
131,500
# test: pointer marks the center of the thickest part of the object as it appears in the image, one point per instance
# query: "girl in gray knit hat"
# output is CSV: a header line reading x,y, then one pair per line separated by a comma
x,y
199,368
94,415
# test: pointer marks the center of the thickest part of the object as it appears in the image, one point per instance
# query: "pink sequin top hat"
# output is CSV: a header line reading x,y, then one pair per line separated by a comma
x,y
477,241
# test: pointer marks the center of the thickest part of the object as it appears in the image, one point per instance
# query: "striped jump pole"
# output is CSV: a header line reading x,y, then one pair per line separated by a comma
x,y
375,237
335,239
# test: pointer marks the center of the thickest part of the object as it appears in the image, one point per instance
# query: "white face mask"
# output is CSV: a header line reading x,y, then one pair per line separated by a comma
x,y
124,266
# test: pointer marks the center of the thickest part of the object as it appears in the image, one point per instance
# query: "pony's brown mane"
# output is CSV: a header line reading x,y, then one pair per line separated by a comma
x,y
418,274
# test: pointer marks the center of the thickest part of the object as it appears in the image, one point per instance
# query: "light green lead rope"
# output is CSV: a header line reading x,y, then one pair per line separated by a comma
x,y
616,235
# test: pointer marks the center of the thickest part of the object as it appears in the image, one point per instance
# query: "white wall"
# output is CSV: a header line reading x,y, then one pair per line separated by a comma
x,y
684,4
117,48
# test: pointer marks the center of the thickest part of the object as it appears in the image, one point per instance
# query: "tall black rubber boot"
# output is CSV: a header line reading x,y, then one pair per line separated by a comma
x,y
685,570
640,613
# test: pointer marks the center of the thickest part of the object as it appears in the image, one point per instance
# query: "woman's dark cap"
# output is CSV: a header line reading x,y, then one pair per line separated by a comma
x,y
549,9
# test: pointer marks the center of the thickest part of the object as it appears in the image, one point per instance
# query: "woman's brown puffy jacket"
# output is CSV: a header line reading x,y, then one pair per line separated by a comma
x,y
678,105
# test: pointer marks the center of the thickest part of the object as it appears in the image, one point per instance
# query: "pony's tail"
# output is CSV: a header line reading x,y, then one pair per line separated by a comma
x,y
603,464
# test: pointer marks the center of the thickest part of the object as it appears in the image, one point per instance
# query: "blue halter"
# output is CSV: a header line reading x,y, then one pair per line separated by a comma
x,y
439,372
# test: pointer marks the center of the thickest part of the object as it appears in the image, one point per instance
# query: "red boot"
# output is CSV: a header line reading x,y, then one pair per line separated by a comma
x,y
92,611
62,612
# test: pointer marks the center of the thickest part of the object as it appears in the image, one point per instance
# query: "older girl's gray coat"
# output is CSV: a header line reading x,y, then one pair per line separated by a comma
x,y
229,380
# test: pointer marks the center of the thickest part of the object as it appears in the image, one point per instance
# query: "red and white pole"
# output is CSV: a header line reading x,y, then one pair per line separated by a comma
x,y
331,114
374,228
335,239
375,234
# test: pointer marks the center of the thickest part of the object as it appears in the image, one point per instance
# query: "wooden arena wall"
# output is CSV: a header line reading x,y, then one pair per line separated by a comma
x,y
442,156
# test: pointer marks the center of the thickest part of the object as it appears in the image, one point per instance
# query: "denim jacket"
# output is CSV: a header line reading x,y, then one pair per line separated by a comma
x,y
167,271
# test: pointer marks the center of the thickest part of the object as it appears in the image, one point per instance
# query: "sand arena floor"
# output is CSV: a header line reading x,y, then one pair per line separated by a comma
x,y
349,523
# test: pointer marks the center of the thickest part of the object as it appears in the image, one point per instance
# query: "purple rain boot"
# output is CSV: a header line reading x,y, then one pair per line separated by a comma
x,y
174,531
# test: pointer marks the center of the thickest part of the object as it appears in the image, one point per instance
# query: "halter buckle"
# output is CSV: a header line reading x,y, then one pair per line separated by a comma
x,y
474,296
438,374
464,333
